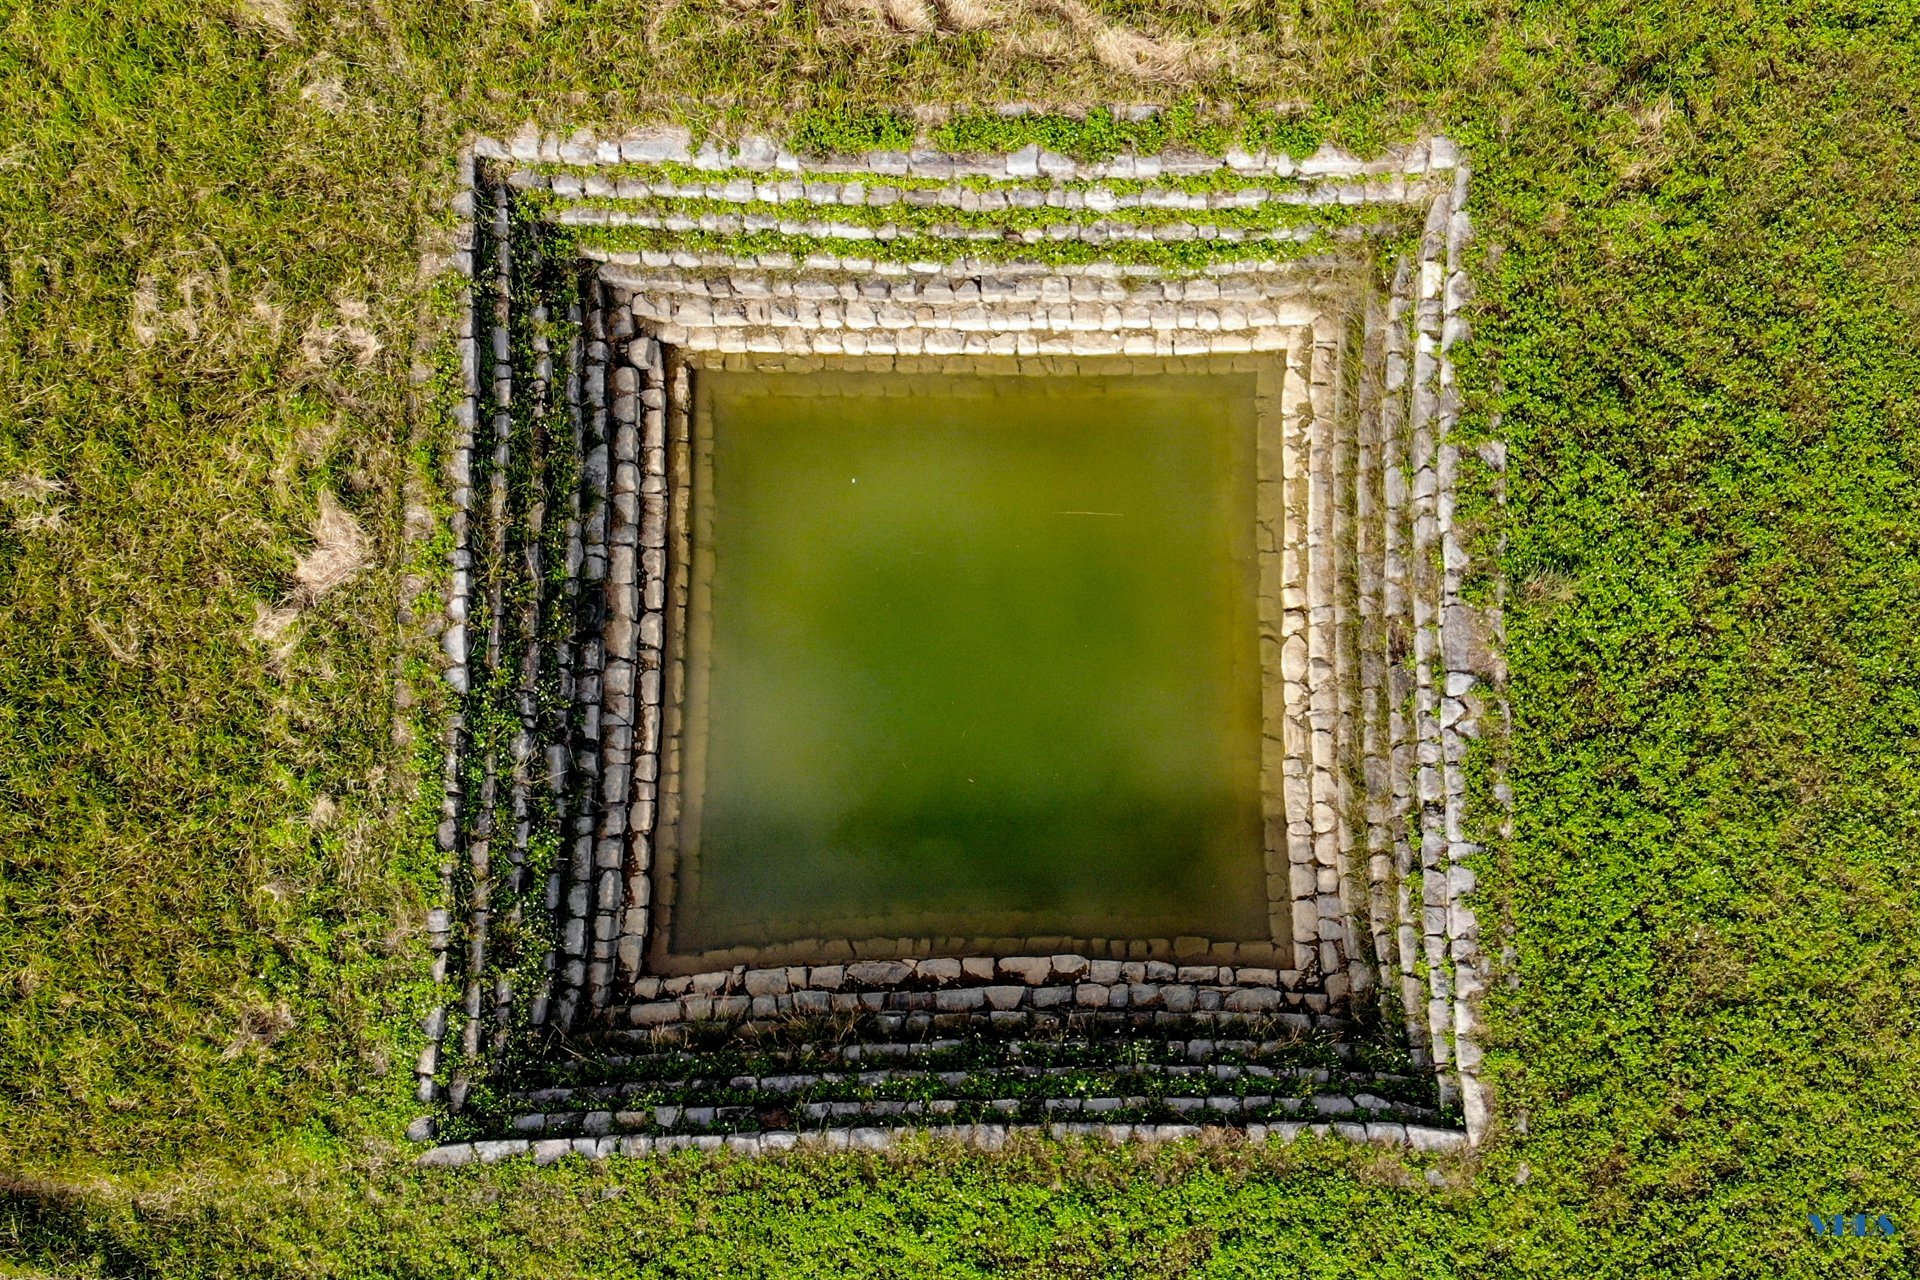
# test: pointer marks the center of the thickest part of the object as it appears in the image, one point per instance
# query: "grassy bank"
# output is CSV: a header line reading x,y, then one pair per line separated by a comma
x,y
1700,260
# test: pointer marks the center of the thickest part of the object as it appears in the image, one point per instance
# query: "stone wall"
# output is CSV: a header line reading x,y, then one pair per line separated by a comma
x,y
574,353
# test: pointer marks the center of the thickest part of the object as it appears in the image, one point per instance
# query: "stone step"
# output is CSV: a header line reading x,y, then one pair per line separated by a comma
x,y
677,1025
1123,315
1301,1079
1372,661
1402,583
694,1076
492,641
1099,231
1007,282
996,989
870,190
989,1137
847,261
1067,970
610,753
1097,1047
799,341
973,1071
759,155
778,1112
1378,730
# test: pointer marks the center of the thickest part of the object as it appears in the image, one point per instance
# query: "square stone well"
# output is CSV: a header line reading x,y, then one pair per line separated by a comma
x,y
609,277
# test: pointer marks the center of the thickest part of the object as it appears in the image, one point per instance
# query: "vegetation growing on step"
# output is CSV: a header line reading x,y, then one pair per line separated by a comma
x,y
1210,180
1179,256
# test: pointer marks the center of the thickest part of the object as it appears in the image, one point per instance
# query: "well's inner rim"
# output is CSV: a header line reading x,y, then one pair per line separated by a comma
x,y
1257,530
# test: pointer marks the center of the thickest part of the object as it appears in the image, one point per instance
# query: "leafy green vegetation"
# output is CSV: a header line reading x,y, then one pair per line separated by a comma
x,y
1696,270
1215,179
1188,255
924,218
845,128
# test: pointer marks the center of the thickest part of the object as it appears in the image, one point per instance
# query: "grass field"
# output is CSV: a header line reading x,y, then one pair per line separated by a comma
x,y
1699,301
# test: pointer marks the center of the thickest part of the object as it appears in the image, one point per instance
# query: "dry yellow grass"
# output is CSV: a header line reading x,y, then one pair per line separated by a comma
x,y
339,552
1052,31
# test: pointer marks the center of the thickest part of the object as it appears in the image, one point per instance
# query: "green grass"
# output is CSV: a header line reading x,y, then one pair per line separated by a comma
x,y
1699,231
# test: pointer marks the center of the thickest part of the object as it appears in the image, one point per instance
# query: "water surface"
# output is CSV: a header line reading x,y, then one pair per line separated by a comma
x,y
980,659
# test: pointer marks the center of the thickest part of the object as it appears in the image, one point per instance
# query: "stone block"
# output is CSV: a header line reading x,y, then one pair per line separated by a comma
x,y
1068,967
878,973
766,982
1032,970
941,970
1255,1000
654,1013
1427,1138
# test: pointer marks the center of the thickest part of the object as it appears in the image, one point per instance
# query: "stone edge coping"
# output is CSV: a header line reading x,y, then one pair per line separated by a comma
x,y
984,1137
1442,280
1423,1138
668,144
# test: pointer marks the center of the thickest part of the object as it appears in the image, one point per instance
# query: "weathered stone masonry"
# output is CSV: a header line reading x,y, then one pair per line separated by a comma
x,y
575,356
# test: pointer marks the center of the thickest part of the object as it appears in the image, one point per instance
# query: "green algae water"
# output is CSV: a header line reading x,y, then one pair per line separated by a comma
x,y
971,656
